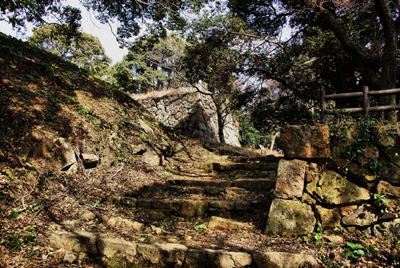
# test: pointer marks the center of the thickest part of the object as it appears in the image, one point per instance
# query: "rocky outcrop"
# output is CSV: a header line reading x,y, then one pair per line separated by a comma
x,y
193,114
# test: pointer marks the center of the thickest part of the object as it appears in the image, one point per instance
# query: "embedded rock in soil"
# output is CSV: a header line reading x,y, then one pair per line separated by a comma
x,y
66,156
290,180
90,160
311,142
333,189
289,217
218,223
286,260
151,158
124,223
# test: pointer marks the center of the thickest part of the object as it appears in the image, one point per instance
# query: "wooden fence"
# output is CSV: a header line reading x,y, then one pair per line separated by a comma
x,y
366,109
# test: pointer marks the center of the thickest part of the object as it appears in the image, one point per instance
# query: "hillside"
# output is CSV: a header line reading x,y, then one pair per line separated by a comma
x,y
88,178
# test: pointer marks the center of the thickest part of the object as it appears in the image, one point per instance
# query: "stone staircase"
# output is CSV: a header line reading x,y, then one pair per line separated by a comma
x,y
230,198
227,190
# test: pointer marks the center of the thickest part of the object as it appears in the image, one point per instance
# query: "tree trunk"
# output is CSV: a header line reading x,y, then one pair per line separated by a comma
x,y
220,122
389,64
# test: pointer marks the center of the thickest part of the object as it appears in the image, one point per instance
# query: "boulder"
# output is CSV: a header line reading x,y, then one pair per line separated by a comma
x,y
330,218
310,142
66,156
284,260
385,188
218,223
290,180
388,230
333,189
289,217
363,216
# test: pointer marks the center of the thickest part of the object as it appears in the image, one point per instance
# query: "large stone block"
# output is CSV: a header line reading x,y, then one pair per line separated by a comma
x,y
283,259
289,217
76,241
311,142
333,189
290,180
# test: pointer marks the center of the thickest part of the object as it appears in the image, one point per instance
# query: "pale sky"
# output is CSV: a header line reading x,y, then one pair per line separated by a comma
x,y
89,25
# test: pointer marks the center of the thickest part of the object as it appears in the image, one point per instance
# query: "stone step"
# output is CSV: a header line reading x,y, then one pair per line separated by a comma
x,y
259,165
211,190
218,186
158,209
249,174
121,252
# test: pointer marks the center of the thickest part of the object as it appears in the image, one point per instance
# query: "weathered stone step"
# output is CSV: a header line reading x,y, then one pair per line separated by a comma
x,y
121,253
249,174
211,190
157,209
218,186
260,165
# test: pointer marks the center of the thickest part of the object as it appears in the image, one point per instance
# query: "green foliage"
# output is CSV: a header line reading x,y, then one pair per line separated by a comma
x,y
19,239
249,135
380,201
200,228
366,134
83,49
9,174
354,251
152,63
14,213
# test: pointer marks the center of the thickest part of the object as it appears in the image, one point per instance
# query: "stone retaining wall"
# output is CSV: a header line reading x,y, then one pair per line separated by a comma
x,y
192,114
320,184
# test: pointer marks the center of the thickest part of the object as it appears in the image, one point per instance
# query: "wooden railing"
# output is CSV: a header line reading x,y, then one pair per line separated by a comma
x,y
366,109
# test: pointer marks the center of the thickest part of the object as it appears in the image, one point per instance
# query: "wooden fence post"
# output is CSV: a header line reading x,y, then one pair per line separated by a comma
x,y
366,101
323,107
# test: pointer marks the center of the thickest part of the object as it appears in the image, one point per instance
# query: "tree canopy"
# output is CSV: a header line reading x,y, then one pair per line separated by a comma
x,y
84,49
244,46
152,64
